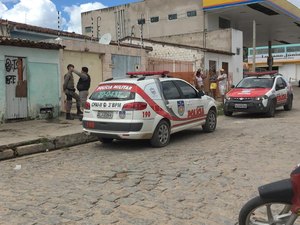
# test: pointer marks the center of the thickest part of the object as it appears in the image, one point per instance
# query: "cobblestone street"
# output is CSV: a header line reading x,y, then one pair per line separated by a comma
x,y
200,178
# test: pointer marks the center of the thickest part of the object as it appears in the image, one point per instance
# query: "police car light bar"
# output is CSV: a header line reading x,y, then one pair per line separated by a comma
x,y
148,73
256,74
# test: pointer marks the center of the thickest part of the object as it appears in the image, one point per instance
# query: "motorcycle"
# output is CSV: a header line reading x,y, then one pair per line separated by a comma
x,y
277,203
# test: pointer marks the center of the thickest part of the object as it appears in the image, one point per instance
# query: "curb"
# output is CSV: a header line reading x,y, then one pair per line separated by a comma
x,y
44,145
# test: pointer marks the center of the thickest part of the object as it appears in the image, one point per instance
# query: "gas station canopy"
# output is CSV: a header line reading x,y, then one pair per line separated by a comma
x,y
277,21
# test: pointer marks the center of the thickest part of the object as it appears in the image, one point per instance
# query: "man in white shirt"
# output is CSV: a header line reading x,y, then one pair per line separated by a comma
x,y
222,83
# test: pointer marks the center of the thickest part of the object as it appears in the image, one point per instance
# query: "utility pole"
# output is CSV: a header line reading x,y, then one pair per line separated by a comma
x,y
142,30
58,24
98,26
92,28
270,57
254,47
118,33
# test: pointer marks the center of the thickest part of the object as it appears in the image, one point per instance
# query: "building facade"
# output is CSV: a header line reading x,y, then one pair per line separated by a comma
x,y
286,59
224,25
175,22
149,18
29,81
103,60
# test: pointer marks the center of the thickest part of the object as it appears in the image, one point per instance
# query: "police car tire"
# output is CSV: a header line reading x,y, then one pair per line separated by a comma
x,y
211,121
272,109
227,113
105,140
289,105
157,140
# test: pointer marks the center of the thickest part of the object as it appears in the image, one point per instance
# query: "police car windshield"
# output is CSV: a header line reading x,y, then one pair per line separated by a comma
x,y
115,95
255,82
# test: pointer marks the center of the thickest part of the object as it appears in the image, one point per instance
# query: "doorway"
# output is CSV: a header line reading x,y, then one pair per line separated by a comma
x,y
16,88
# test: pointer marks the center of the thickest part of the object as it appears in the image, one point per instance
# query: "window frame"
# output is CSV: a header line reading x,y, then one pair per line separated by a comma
x,y
153,19
172,16
141,21
178,90
88,31
183,95
282,82
191,13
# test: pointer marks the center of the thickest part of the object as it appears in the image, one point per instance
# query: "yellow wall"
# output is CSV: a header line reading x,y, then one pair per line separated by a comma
x,y
79,59
287,6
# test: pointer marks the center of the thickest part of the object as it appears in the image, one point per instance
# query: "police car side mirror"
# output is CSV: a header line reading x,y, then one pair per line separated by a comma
x,y
200,94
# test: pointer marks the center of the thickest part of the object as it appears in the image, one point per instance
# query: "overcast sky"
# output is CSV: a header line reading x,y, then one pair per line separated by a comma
x,y
44,12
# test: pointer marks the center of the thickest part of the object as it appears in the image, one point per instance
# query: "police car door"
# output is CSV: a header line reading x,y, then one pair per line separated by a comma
x,y
176,106
195,105
281,91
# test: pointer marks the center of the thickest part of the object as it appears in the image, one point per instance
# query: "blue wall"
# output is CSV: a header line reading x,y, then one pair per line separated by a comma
x,y
43,78
43,87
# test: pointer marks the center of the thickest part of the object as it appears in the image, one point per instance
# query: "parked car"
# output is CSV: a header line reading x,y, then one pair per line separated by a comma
x,y
147,105
259,93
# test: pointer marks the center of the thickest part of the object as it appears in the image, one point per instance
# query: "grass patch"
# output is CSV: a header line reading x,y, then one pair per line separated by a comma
x,y
220,111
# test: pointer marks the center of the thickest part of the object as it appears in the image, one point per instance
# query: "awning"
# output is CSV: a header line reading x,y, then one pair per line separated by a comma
x,y
277,20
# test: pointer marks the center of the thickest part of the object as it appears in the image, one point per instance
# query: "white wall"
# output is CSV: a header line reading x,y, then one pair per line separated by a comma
x,y
289,71
173,52
130,13
298,72
237,60
219,59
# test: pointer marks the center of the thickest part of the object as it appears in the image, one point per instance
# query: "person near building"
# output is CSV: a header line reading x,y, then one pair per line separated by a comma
x,y
213,84
69,90
83,85
199,80
222,84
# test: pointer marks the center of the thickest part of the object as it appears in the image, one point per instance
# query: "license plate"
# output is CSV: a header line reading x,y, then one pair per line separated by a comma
x,y
105,114
240,106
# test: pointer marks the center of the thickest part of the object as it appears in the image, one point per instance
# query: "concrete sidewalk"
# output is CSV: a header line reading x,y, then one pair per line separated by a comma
x,y
35,136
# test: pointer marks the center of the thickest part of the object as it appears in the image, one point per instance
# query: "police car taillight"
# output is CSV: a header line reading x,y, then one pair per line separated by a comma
x,y
134,106
87,106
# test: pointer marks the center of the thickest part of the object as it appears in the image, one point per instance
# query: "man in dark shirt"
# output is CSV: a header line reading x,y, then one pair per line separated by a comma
x,y
69,90
83,85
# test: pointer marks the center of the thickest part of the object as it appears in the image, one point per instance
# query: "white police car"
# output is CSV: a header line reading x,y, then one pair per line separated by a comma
x,y
147,107
259,92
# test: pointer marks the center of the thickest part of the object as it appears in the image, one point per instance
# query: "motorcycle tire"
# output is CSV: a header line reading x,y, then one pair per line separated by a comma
x,y
271,212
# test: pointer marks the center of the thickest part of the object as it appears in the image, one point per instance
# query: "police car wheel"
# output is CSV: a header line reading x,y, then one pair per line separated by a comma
x,y
289,103
161,135
211,121
227,113
105,140
272,109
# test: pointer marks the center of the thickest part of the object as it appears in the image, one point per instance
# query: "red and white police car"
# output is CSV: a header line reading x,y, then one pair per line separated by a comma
x,y
147,107
260,92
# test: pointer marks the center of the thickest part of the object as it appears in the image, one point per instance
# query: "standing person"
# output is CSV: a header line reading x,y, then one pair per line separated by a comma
x,y
222,80
213,84
199,80
83,85
69,90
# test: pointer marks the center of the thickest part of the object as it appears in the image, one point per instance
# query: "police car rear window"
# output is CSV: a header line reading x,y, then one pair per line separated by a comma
x,y
113,92
115,95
